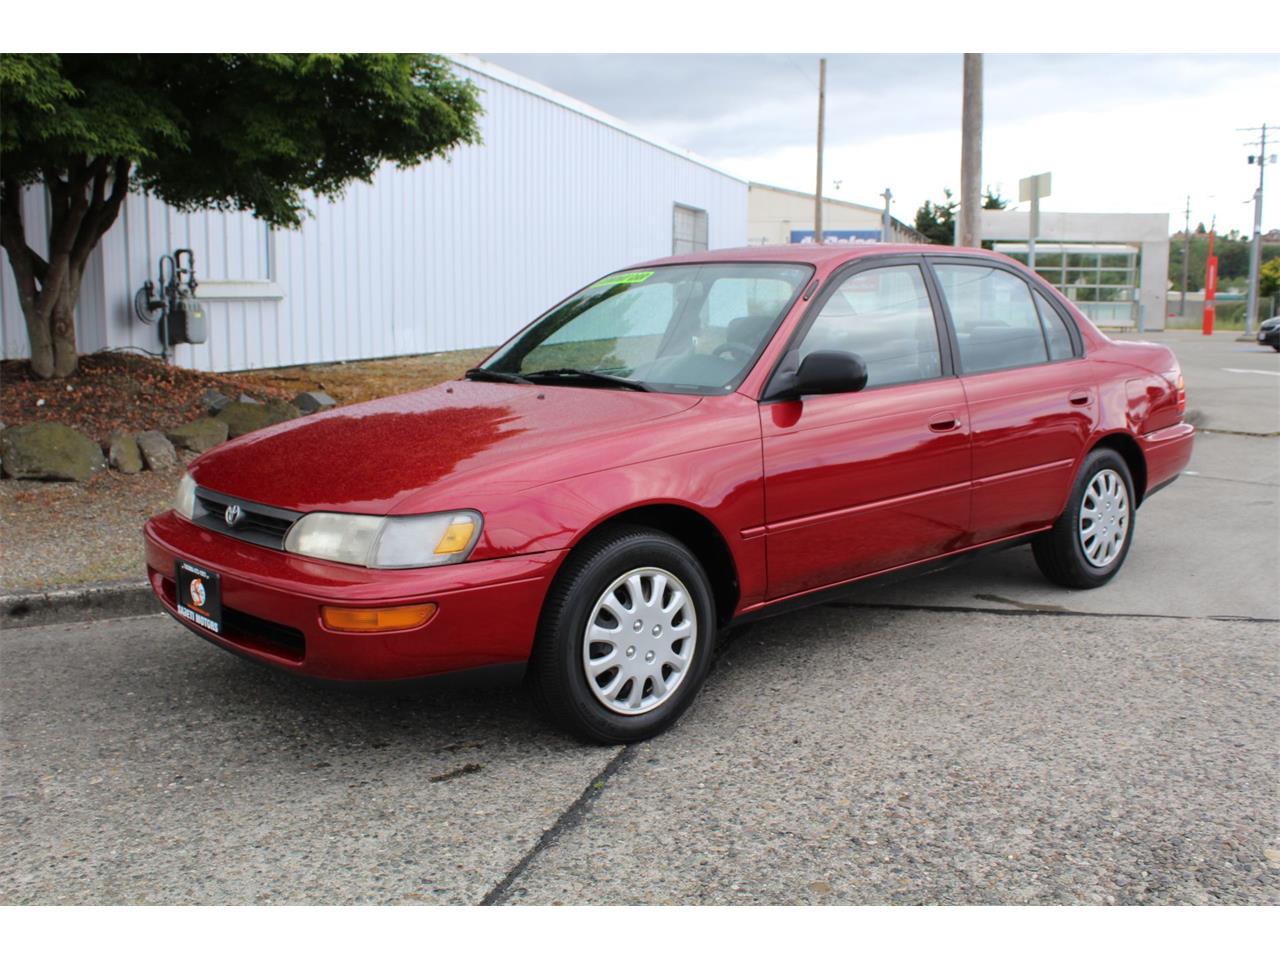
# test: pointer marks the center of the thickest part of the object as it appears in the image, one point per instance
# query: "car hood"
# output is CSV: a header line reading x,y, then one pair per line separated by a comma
x,y
367,457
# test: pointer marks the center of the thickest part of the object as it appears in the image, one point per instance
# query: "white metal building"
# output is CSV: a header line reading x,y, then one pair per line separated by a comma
x,y
441,257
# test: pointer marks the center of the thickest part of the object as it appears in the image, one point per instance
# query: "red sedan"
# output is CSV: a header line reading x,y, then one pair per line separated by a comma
x,y
691,442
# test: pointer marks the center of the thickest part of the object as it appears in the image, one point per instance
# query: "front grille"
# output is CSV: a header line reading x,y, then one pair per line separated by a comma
x,y
257,523
274,637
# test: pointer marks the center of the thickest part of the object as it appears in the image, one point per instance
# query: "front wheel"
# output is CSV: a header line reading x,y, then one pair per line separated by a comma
x,y
1088,544
625,637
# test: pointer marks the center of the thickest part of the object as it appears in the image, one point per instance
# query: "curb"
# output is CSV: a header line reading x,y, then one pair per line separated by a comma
x,y
94,602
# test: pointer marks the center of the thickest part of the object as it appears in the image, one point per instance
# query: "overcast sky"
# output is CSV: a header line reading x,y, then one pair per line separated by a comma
x,y
1120,132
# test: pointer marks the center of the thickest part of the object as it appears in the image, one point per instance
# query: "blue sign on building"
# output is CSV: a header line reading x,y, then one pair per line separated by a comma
x,y
837,236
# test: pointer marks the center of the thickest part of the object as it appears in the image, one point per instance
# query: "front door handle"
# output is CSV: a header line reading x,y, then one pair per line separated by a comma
x,y
1081,397
944,422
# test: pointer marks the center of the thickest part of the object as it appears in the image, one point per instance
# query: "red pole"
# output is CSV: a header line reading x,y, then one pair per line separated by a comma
x,y
1210,287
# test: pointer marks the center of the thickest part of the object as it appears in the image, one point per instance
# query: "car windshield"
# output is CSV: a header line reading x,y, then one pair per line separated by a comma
x,y
684,328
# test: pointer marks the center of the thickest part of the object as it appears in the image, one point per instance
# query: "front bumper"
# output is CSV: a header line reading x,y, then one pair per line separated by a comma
x,y
487,610
1269,338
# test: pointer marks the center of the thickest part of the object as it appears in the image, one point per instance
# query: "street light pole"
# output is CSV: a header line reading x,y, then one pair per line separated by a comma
x,y
1186,259
1255,249
822,111
886,221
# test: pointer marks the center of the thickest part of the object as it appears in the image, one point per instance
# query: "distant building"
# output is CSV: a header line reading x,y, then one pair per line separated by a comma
x,y
1113,266
778,215
444,256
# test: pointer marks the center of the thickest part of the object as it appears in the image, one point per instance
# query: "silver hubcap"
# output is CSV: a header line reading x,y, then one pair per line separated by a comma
x,y
1104,518
639,641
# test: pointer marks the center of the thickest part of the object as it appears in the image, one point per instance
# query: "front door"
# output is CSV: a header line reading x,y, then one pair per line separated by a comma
x,y
863,482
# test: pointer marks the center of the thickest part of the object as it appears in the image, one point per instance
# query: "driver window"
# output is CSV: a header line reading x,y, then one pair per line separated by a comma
x,y
740,311
885,317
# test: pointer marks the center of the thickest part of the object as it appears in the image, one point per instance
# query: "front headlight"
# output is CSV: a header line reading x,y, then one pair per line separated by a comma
x,y
184,498
423,541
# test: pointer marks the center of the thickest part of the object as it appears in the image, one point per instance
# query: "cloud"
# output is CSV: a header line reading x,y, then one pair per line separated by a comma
x,y
1128,131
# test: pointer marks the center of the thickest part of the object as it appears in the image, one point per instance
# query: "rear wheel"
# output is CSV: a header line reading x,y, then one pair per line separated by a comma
x,y
625,637
1089,543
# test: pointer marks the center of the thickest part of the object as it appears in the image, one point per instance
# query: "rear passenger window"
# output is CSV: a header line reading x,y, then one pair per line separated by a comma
x,y
1055,329
996,322
885,317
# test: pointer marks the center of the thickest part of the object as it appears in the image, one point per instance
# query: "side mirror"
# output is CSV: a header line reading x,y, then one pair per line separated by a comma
x,y
823,371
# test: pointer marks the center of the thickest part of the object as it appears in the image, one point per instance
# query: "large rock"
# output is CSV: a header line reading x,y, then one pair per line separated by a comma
x,y
313,401
157,451
123,453
198,435
213,400
242,418
49,451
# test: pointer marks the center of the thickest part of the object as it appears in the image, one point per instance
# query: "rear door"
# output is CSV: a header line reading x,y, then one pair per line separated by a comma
x,y
1031,394
862,482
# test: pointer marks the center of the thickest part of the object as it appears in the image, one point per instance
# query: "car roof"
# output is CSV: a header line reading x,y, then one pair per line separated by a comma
x,y
817,254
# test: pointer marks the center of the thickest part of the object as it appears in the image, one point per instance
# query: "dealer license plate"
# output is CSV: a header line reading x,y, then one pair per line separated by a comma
x,y
199,596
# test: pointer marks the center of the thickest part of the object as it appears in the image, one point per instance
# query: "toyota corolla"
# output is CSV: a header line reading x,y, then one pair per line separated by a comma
x,y
677,447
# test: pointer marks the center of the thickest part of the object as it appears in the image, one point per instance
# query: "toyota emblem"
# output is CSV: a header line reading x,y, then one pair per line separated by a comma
x,y
233,514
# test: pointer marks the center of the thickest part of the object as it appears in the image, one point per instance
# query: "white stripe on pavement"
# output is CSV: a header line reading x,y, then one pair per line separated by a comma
x,y
1265,373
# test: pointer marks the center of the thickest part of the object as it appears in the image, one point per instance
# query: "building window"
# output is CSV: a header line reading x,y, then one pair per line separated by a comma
x,y
688,230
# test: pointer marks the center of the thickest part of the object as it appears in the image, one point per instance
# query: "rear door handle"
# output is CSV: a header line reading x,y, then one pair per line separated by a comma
x,y
944,422
1081,397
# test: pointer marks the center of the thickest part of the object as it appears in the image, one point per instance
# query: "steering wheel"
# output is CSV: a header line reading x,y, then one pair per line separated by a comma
x,y
735,350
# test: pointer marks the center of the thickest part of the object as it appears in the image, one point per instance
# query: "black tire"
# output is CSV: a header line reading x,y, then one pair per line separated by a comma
x,y
1059,553
556,670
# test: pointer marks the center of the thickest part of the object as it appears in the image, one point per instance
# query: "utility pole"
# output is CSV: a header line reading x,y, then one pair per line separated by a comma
x,y
1255,249
1186,259
822,112
886,221
967,233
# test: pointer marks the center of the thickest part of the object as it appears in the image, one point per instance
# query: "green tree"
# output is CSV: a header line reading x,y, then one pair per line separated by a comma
x,y
993,201
248,132
938,221
1269,278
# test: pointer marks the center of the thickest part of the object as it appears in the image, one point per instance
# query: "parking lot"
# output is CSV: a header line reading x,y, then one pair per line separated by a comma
x,y
973,736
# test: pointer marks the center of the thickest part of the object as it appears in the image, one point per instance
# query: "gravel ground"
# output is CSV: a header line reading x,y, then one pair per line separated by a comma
x,y
65,534
841,755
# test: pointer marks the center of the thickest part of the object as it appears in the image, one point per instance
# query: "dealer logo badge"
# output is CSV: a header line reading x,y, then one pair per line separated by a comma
x,y
197,592
233,515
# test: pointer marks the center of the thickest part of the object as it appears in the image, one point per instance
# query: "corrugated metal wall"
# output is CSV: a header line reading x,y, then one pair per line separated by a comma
x,y
441,257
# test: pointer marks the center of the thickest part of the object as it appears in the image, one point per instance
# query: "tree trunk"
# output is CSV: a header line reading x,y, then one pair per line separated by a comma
x,y
81,212
40,333
62,323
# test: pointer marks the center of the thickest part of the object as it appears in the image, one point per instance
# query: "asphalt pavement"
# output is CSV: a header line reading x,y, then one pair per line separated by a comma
x,y
974,736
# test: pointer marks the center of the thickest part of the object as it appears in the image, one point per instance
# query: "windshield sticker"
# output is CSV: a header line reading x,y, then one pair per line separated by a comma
x,y
638,276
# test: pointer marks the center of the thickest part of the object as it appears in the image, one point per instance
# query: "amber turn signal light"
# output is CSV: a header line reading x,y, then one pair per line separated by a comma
x,y
375,619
